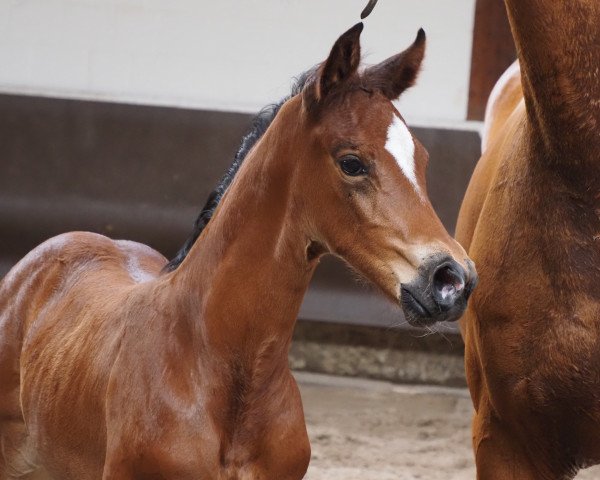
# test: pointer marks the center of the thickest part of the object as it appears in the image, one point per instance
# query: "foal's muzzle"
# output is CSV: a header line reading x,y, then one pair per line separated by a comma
x,y
440,293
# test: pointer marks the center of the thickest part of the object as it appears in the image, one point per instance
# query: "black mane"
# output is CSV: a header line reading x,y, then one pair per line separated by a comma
x,y
259,126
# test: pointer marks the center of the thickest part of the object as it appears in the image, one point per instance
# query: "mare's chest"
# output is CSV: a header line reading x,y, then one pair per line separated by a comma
x,y
540,340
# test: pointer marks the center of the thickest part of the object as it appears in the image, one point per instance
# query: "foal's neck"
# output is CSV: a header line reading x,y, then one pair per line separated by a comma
x,y
248,272
559,50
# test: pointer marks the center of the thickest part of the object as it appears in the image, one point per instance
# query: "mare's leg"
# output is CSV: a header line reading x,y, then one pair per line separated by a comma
x,y
500,454
118,475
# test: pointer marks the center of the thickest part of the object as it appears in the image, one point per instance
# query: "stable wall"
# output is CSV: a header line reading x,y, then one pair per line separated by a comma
x,y
223,55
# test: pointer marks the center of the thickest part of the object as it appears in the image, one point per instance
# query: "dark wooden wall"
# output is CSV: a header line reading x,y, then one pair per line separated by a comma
x,y
493,51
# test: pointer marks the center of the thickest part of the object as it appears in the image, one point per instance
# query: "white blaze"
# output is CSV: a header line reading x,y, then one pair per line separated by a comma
x,y
402,147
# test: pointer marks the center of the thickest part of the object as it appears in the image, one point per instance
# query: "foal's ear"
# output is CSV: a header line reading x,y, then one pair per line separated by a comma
x,y
341,64
397,73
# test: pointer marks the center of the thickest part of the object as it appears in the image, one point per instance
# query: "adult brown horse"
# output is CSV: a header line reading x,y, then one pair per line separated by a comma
x,y
531,220
114,367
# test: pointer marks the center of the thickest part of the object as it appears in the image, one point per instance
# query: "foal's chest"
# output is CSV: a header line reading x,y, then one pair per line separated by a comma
x,y
273,454
271,443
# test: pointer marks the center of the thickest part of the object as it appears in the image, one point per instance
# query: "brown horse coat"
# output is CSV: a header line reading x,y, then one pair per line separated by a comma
x,y
531,221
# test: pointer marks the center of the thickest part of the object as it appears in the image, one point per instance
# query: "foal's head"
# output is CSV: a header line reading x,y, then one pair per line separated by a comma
x,y
361,180
356,177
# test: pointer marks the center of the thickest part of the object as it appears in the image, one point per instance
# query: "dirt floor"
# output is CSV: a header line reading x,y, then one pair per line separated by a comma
x,y
365,430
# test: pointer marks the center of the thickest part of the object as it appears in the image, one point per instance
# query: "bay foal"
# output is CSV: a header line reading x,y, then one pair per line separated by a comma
x,y
531,220
114,367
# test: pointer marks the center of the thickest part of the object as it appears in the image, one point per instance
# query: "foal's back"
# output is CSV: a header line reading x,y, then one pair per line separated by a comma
x,y
66,303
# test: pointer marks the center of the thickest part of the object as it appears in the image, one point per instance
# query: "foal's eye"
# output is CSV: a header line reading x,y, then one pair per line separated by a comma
x,y
352,166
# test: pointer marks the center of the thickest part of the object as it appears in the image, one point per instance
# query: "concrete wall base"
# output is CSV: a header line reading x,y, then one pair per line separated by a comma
x,y
399,356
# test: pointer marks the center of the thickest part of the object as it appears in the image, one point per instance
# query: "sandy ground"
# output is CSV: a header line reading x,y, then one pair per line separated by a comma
x,y
365,430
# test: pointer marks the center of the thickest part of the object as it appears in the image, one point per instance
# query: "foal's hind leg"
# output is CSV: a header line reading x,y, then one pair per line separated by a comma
x,y
18,458
13,433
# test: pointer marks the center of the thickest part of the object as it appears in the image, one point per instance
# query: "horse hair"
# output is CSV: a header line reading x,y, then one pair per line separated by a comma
x,y
260,124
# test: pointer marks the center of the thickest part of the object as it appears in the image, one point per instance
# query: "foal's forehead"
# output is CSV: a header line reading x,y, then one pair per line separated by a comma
x,y
380,125
364,118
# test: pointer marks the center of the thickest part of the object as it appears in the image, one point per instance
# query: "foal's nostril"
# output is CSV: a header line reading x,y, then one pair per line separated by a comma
x,y
448,283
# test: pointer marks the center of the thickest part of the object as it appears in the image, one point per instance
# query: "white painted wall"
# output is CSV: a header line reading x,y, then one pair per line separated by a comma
x,y
226,54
